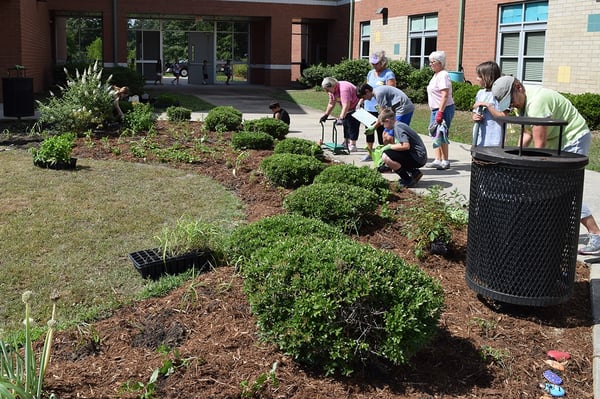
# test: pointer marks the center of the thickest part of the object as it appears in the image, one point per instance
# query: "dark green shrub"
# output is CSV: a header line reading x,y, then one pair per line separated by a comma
x,y
337,204
274,127
296,145
166,100
123,76
314,74
402,70
464,95
588,105
223,118
363,176
338,304
291,170
140,119
245,240
417,85
353,71
252,141
178,114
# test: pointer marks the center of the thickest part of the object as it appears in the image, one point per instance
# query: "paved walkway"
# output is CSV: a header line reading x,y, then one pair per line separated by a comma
x,y
253,102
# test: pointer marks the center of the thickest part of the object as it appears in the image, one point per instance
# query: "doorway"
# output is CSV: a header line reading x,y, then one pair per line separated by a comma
x,y
201,47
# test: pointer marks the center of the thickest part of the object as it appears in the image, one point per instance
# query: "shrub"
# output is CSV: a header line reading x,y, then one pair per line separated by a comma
x,y
338,204
274,127
314,74
464,95
223,118
55,149
337,304
588,105
84,102
296,145
418,80
166,100
363,176
252,141
291,170
402,70
353,71
140,119
245,240
124,76
178,114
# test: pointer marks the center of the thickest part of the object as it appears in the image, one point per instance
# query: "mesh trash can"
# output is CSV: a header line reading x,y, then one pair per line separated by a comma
x,y
524,212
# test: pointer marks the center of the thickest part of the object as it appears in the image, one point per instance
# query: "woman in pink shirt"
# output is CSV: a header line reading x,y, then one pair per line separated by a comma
x,y
344,93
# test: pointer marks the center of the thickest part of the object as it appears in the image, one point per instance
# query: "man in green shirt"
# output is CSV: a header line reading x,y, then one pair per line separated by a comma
x,y
539,102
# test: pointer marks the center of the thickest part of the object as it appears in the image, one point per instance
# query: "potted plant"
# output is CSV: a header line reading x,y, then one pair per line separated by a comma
x,y
190,243
55,152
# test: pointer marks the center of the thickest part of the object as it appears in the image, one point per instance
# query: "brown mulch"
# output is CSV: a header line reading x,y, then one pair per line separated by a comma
x,y
213,341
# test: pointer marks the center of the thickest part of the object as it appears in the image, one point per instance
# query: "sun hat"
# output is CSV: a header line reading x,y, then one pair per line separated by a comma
x,y
374,59
502,90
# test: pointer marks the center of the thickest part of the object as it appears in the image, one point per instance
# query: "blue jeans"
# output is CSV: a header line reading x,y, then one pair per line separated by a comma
x,y
448,115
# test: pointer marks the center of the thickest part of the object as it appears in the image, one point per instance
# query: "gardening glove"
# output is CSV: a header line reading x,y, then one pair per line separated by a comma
x,y
339,122
439,116
323,118
386,147
370,130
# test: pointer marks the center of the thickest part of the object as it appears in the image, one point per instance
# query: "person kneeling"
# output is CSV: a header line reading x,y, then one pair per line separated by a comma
x,y
404,152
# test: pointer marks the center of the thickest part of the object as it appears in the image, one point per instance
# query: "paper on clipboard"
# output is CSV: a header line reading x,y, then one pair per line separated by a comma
x,y
364,117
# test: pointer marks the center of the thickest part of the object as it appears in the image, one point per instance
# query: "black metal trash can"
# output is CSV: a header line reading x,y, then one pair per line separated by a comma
x,y
524,212
17,95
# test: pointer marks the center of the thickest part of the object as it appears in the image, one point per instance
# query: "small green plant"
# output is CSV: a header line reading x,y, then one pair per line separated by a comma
x,y
179,114
486,326
499,357
291,170
273,127
364,177
252,141
21,374
260,384
141,118
55,149
296,145
223,118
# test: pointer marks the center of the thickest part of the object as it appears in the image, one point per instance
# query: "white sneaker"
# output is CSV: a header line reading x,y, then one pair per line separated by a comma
x,y
593,245
434,165
352,148
366,158
444,165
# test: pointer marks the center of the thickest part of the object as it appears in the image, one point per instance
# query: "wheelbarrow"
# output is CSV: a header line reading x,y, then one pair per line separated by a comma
x,y
333,146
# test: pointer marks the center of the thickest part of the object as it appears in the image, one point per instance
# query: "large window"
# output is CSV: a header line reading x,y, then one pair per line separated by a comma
x,y
365,39
422,39
521,40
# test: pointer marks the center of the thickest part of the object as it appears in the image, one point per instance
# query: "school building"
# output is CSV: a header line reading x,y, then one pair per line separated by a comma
x,y
553,42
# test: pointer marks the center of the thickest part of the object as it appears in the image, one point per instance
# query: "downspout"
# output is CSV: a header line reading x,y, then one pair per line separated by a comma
x,y
351,30
461,35
115,35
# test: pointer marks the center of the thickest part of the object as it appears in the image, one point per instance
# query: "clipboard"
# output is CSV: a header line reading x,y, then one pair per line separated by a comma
x,y
364,117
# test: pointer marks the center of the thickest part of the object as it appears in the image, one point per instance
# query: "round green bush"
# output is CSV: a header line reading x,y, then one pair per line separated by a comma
x,y
464,95
247,239
275,127
362,176
291,170
252,141
339,304
314,74
223,118
353,71
179,114
338,204
296,145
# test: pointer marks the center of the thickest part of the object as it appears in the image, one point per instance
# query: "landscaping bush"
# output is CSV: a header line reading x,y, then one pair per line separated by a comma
x,y
247,239
588,105
363,176
353,71
418,80
402,70
178,114
464,95
54,149
314,74
338,304
274,127
141,118
252,141
166,100
338,204
223,118
291,170
296,145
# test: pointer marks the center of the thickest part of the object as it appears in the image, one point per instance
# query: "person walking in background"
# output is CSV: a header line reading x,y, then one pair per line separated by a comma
x,y
159,72
176,69
441,103
486,131
540,102
344,93
227,71
279,113
404,152
204,72
379,75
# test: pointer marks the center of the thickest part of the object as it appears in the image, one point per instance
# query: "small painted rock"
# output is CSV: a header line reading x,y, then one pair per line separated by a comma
x,y
555,365
552,377
553,389
559,355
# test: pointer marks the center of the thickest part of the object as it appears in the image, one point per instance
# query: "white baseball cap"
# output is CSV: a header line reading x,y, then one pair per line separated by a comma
x,y
502,90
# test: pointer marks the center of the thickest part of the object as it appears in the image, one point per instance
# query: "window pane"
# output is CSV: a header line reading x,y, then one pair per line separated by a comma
x,y
415,46
415,62
431,22
430,45
416,24
509,66
536,12
533,69
365,29
510,44
511,14
364,51
534,43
